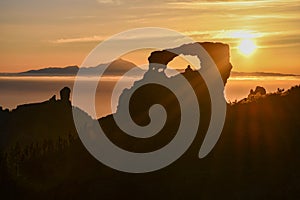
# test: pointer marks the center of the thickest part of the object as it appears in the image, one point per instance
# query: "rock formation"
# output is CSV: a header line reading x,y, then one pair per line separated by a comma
x,y
65,94
219,52
142,96
33,122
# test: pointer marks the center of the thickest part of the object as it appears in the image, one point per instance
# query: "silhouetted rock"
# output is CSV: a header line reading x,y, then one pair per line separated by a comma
x,y
188,69
144,97
65,94
219,52
257,157
52,99
36,122
159,60
258,91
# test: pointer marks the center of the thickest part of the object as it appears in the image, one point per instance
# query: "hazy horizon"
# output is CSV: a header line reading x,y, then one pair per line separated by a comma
x,y
18,90
276,73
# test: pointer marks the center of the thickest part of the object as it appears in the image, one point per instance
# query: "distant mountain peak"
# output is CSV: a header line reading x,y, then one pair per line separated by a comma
x,y
52,70
235,73
116,67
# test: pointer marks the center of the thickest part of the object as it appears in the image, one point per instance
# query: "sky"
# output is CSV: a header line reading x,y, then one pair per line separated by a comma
x,y
39,33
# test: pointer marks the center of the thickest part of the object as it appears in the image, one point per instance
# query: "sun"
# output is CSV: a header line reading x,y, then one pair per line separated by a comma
x,y
247,47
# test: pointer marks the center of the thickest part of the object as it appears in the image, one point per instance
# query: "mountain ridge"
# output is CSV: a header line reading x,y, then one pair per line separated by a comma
x,y
72,71
118,66
237,73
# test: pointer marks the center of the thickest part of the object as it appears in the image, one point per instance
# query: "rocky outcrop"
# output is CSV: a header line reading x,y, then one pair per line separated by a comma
x,y
258,91
158,61
219,52
143,95
36,122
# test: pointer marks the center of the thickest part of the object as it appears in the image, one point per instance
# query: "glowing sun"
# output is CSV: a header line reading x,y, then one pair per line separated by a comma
x,y
247,47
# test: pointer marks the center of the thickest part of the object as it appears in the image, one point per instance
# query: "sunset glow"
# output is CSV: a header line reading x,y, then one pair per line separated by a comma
x,y
247,47
36,34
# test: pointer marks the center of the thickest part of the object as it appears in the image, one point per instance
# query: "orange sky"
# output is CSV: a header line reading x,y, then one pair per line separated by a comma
x,y
36,34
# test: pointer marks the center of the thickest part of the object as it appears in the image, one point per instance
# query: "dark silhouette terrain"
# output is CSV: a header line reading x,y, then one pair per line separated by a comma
x,y
256,157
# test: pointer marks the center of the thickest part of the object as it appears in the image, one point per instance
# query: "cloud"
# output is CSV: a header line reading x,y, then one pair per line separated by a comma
x,y
267,39
216,2
215,34
232,34
77,40
85,17
148,36
281,38
286,39
115,2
